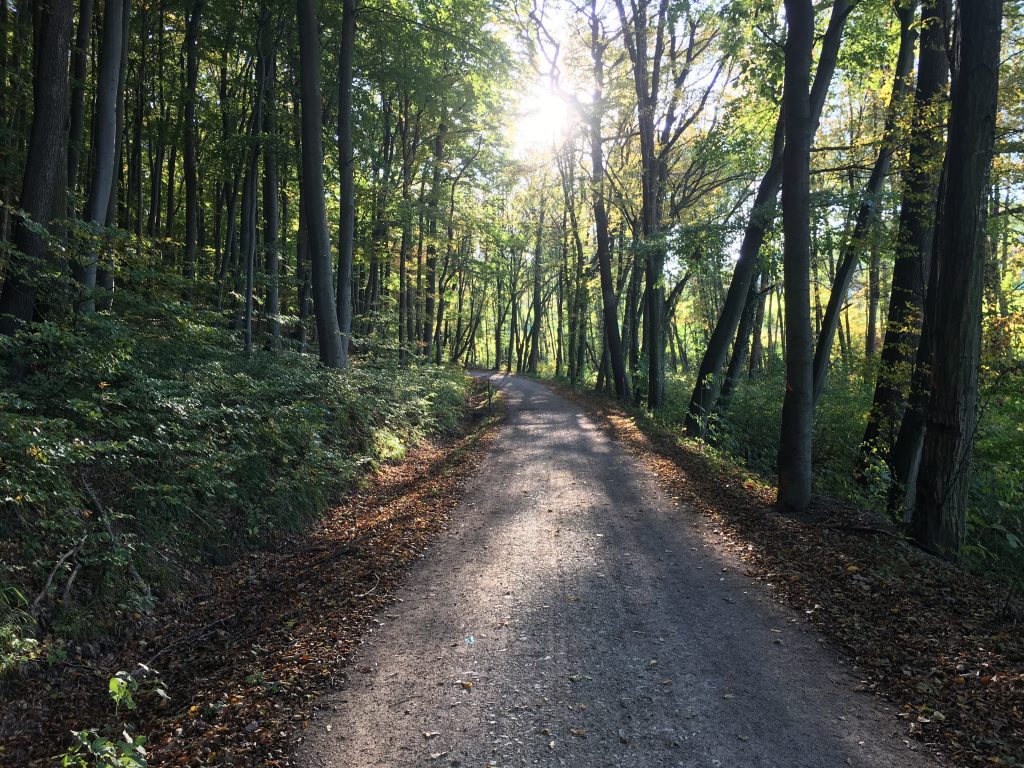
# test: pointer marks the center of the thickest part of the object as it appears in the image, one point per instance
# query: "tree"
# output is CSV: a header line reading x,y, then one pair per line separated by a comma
x,y
867,211
707,386
328,332
609,300
191,169
346,161
919,181
44,186
794,462
953,309
105,128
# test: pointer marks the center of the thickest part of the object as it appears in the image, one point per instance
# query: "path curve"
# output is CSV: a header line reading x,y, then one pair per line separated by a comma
x,y
573,616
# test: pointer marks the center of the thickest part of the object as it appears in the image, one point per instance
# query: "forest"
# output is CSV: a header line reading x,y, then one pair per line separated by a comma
x,y
248,251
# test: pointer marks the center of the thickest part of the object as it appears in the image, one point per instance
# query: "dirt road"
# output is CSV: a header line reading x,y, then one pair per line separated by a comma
x,y
574,616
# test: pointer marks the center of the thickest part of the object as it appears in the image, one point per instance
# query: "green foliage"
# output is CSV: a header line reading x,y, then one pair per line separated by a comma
x,y
95,750
749,431
103,748
133,449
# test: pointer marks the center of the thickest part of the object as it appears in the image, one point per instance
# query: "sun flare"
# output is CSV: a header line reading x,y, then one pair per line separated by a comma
x,y
542,120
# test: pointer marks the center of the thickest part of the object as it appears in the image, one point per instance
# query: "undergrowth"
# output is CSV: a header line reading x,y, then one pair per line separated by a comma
x,y
748,431
136,448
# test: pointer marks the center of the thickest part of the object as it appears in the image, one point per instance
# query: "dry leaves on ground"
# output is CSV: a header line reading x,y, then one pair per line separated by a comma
x,y
244,662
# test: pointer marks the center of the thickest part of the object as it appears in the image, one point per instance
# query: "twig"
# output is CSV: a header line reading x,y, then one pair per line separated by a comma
x,y
195,635
49,579
367,593
372,589
71,580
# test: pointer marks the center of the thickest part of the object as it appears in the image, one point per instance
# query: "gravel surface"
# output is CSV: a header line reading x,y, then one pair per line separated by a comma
x,y
575,615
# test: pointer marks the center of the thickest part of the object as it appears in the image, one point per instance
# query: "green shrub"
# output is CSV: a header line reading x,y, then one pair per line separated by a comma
x,y
749,431
139,446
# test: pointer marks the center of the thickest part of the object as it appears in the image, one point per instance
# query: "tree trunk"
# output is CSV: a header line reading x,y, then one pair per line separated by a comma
x,y
79,73
313,197
346,162
104,137
271,212
913,240
435,192
794,460
191,169
104,267
874,296
741,346
609,300
707,386
868,209
953,310
44,185
537,303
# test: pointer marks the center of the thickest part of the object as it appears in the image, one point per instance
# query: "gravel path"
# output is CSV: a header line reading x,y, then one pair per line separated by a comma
x,y
574,616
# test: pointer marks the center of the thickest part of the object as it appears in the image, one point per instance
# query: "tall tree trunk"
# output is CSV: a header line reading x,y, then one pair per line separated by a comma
x,y
953,309
271,211
104,267
868,209
104,137
409,130
435,192
913,242
707,386
79,73
874,296
140,102
794,460
609,300
756,346
346,162
328,331
537,300
172,169
191,169
250,186
740,347
44,185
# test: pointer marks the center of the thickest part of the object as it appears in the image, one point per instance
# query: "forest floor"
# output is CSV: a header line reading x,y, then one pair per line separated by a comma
x,y
595,594
579,613
244,662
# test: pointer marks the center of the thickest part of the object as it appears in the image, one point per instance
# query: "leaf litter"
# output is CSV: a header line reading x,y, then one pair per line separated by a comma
x,y
245,660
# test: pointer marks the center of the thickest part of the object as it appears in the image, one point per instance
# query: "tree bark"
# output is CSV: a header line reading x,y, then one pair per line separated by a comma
x,y
794,460
609,300
79,73
913,240
44,185
191,169
435,192
874,296
537,302
953,308
741,346
347,190
328,331
104,137
271,207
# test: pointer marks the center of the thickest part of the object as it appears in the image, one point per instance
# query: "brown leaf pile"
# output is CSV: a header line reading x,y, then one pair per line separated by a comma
x,y
244,661
945,645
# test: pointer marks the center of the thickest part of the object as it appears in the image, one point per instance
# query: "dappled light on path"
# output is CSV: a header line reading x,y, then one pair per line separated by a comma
x,y
570,617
